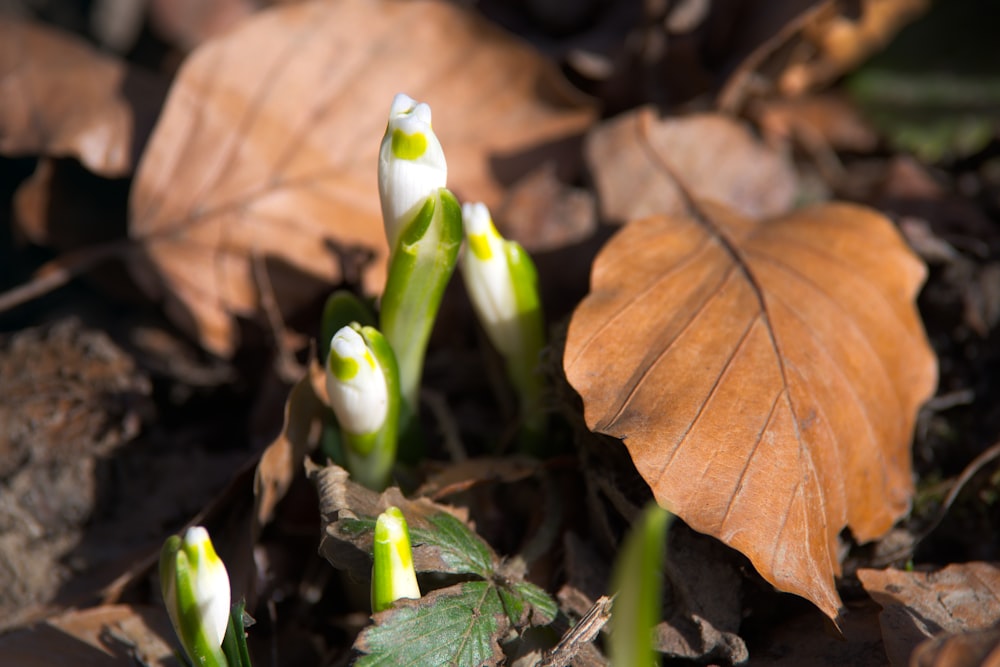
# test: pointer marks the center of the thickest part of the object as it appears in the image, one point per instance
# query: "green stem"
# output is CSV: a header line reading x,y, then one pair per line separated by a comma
x,y
419,269
234,645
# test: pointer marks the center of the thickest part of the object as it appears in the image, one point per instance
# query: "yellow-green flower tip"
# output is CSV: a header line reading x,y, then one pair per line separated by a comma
x,y
408,146
393,576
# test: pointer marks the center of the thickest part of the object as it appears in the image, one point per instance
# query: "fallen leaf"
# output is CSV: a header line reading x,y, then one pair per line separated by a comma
x,y
967,649
458,625
305,411
107,636
267,147
348,546
829,121
842,39
60,97
919,605
188,23
636,158
764,377
463,475
815,43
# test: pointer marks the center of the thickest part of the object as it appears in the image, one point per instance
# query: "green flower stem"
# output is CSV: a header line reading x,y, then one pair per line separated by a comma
x,y
393,576
523,368
637,581
419,269
234,645
502,284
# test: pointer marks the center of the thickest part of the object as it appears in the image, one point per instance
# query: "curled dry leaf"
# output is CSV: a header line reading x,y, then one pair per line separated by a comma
x,y
841,39
267,148
917,606
341,501
109,636
635,159
764,377
968,649
60,97
306,409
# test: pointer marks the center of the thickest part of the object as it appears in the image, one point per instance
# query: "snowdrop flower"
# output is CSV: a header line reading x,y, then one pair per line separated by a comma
x,y
487,274
411,165
362,382
503,286
393,576
196,593
423,224
355,384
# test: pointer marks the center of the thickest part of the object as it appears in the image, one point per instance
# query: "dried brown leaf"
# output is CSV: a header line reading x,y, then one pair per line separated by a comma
x,y
305,411
267,147
764,376
807,44
188,23
635,159
107,636
60,97
968,649
919,605
342,499
842,39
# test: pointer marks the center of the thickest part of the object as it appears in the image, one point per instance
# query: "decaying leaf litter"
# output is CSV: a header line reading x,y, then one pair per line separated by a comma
x,y
732,312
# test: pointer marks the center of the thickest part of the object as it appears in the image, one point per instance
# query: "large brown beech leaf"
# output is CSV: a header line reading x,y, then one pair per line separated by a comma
x,y
266,153
61,97
764,377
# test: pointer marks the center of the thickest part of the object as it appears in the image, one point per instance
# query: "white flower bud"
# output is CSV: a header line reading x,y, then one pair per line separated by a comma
x,y
411,165
356,384
393,576
195,590
486,272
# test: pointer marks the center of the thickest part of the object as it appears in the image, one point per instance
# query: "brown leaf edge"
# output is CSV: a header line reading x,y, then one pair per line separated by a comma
x,y
808,574
306,410
341,499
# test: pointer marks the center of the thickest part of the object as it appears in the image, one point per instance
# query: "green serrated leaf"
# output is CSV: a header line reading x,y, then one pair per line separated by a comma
x,y
461,550
543,607
458,625
355,527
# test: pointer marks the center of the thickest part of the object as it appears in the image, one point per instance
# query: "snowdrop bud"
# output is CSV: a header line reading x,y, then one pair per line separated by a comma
x,y
393,576
356,384
196,592
486,272
411,165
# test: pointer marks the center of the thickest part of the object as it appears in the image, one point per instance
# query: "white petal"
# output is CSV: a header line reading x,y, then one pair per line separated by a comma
x,y
411,169
211,583
359,395
487,278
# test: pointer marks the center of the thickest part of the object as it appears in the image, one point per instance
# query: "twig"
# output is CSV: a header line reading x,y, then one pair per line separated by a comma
x,y
580,634
56,273
287,366
970,471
